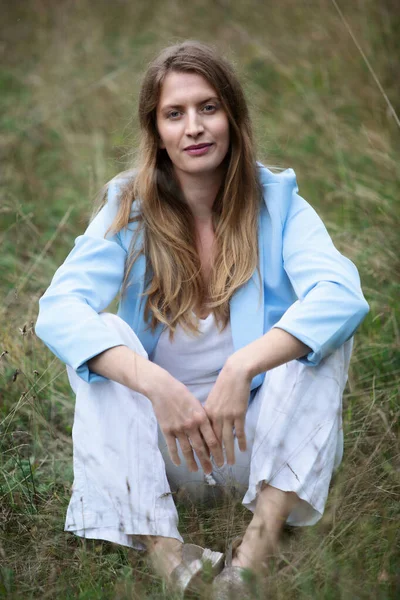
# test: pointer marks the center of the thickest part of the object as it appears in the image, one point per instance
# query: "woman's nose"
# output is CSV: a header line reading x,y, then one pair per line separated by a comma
x,y
194,125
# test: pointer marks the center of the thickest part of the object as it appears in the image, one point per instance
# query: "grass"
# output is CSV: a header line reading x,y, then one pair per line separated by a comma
x,y
69,79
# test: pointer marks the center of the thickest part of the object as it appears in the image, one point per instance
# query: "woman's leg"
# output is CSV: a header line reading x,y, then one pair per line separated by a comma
x,y
120,486
297,444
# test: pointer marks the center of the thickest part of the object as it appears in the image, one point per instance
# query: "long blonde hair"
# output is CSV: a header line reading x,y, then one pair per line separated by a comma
x,y
174,284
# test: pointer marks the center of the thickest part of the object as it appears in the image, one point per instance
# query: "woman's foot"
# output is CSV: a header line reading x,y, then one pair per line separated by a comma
x,y
165,555
184,567
236,582
258,545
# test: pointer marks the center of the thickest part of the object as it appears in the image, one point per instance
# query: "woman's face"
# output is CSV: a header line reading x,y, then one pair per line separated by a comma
x,y
192,124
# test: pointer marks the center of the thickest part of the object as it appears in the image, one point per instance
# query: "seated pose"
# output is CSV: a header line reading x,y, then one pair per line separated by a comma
x,y
227,360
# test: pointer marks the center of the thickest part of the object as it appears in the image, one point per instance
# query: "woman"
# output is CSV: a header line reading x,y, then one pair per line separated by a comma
x,y
229,355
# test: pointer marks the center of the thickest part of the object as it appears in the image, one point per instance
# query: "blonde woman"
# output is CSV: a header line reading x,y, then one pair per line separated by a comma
x,y
227,360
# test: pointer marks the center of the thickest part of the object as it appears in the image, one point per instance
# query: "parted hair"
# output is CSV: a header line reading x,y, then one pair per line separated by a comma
x,y
174,286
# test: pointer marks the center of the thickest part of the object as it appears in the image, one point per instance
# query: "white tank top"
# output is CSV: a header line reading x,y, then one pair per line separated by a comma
x,y
195,360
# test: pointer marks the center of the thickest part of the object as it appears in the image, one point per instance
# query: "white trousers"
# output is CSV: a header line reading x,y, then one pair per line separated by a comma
x,y
123,476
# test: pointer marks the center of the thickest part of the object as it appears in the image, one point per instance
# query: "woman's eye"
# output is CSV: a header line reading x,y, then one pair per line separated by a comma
x,y
209,108
173,114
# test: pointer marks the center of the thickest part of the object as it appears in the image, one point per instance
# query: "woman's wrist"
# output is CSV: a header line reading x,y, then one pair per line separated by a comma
x,y
131,369
151,378
238,364
271,350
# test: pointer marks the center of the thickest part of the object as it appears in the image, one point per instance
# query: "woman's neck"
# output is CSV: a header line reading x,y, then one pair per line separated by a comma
x,y
200,191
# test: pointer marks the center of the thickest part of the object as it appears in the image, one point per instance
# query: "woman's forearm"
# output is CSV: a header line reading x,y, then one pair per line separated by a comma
x,y
271,350
123,365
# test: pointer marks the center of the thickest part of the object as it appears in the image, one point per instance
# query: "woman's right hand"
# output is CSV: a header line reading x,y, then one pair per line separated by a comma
x,y
182,418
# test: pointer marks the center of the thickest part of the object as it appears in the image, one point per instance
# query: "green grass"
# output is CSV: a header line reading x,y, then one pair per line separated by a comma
x,y
69,83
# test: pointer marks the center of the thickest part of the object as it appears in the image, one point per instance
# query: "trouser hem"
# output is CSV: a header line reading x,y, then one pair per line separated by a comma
x,y
126,535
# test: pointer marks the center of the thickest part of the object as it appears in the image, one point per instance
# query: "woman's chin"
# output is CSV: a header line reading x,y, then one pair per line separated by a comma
x,y
200,166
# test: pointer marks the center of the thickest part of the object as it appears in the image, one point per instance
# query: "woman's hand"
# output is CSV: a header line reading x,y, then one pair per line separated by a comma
x,y
181,417
226,406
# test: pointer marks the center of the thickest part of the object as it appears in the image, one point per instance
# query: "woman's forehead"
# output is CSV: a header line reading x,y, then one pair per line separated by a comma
x,y
182,88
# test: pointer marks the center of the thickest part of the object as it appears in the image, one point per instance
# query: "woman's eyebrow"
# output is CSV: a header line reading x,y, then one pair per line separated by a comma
x,y
167,106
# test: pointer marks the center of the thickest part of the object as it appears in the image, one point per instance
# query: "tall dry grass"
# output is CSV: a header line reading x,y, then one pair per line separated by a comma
x,y
69,79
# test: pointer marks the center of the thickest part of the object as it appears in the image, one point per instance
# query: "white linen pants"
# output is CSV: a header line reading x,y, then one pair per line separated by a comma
x,y
123,476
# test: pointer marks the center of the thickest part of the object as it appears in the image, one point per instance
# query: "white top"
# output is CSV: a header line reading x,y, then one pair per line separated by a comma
x,y
195,359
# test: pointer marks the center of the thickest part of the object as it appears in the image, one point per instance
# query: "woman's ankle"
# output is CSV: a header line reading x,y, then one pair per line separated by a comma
x,y
260,541
257,546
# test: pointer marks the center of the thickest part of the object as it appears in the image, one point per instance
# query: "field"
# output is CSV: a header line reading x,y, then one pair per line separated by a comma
x,y
322,79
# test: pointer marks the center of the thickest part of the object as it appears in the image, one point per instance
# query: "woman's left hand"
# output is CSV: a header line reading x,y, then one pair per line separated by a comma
x,y
226,406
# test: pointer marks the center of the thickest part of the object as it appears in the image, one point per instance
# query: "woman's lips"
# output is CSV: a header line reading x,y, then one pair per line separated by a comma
x,y
199,150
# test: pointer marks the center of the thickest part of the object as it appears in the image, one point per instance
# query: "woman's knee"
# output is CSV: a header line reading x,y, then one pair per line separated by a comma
x,y
127,334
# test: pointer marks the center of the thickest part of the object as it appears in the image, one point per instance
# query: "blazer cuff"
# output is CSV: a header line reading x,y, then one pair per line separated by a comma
x,y
96,342
89,376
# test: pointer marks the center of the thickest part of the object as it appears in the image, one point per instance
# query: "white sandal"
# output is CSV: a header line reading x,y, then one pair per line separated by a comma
x,y
187,577
234,583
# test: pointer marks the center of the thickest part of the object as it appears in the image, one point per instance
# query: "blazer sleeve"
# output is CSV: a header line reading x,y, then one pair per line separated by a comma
x,y
330,304
84,285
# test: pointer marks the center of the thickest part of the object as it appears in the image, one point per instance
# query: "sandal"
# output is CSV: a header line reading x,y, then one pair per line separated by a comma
x,y
234,583
198,564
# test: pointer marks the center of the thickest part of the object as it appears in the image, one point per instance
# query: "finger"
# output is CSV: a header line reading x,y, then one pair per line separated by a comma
x,y
187,452
216,425
227,436
202,452
172,449
240,434
217,428
213,444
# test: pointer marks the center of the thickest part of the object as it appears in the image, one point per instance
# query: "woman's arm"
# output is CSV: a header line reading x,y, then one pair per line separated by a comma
x,y
330,303
127,367
271,350
330,306
85,284
123,365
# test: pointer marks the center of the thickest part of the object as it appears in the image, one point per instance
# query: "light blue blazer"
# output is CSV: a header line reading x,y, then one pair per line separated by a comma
x,y
308,288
